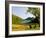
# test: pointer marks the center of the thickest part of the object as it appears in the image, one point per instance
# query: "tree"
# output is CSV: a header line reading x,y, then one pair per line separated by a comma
x,y
34,11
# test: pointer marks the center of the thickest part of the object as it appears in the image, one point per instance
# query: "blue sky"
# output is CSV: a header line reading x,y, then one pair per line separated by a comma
x,y
21,12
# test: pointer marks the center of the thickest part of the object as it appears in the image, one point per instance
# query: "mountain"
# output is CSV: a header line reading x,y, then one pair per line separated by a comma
x,y
16,19
28,20
31,20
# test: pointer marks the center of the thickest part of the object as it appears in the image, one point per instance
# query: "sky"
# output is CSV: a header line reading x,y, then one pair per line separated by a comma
x,y
21,12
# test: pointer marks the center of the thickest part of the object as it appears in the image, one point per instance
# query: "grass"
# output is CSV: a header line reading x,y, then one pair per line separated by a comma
x,y
23,27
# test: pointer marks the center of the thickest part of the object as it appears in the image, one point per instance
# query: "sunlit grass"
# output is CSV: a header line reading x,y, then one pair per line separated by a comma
x,y
23,27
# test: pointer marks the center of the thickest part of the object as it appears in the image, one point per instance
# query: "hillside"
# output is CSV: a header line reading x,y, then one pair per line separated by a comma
x,y
16,19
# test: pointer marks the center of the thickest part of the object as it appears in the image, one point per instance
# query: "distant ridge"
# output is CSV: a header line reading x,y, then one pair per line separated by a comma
x,y
28,20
